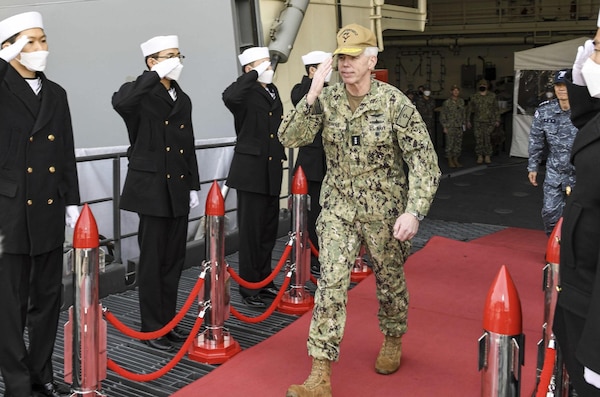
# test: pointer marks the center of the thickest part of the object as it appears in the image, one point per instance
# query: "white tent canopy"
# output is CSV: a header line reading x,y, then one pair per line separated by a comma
x,y
545,59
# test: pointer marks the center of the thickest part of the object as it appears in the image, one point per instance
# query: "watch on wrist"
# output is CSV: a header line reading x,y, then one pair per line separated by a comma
x,y
417,215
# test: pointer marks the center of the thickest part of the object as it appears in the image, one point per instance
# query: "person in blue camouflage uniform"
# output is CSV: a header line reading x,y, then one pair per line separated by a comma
x,y
553,132
452,118
486,116
370,129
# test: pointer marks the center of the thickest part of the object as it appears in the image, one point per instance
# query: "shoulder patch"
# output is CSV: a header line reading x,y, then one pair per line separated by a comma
x,y
405,115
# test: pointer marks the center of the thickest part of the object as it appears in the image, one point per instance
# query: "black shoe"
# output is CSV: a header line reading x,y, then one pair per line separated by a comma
x,y
160,344
177,335
254,302
269,292
50,390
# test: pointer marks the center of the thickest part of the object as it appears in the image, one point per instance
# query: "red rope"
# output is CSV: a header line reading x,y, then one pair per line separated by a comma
x,y
313,279
269,311
157,374
313,250
266,281
547,370
163,331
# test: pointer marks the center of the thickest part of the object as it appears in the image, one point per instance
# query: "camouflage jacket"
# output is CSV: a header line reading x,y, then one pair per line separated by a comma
x,y
484,107
366,150
552,129
426,107
452,114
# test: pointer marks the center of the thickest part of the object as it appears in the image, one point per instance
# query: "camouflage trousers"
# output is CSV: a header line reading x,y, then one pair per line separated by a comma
x,y
552,206
340,243
454,142
483,138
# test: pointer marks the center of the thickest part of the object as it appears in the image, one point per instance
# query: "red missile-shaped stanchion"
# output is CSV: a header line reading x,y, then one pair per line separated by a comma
x,y
551,283
361,269
215,345
298,300
85,332
502,345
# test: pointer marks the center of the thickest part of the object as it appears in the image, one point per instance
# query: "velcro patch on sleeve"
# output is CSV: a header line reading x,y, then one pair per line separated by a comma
x,y
405,115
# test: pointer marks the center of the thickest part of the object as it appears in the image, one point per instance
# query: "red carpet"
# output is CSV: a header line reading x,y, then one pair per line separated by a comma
x,y
448,282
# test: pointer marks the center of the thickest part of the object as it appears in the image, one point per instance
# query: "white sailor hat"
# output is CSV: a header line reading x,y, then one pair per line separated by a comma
x,y
18,23
315,57
252,54
159,43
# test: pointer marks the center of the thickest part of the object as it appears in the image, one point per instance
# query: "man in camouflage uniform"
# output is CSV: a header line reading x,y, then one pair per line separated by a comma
x,y
452,118
369,128
426,107
552,132
486,117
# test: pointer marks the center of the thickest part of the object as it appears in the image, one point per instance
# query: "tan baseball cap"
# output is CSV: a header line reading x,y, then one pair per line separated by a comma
x,y
353,39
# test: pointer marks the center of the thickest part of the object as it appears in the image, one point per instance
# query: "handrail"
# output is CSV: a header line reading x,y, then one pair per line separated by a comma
x,y
117,157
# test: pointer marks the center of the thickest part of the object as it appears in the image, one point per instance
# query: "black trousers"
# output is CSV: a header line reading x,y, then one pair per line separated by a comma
x,y
567,328
162,254
30,296
258,220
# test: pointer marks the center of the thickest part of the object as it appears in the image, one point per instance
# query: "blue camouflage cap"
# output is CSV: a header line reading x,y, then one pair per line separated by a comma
x,y
560,76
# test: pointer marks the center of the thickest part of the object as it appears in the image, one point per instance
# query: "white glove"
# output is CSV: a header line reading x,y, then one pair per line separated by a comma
x,y
71,215
163,68
194,201
262,67
583,53
591,377
9,53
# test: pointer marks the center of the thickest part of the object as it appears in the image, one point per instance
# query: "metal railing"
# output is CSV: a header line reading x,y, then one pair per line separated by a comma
x,y
117,158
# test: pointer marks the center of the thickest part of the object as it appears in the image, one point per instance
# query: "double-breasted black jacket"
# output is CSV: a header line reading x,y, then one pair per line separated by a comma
x,y
580,241
162,158
258,156
38,172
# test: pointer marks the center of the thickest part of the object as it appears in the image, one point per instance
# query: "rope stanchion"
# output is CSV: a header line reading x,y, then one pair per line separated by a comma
x,y
170,365
298,299
547,370
124,329
268,280
269,311
215,344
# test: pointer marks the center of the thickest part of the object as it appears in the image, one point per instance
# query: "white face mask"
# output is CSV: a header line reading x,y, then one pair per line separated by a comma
x,y
426,93
328,77
591,75
34,61
175,73
266,77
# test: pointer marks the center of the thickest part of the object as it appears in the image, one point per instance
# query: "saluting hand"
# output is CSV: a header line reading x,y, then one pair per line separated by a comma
x,y
318,81
11,51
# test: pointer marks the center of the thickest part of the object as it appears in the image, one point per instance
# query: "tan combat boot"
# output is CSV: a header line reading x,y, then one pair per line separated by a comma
x,y
488,160
388,360
451,162
318,383
479,159
458,165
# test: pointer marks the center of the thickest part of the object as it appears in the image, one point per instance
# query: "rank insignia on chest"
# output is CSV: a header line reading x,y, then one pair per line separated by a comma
x,y
355,140
549,120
